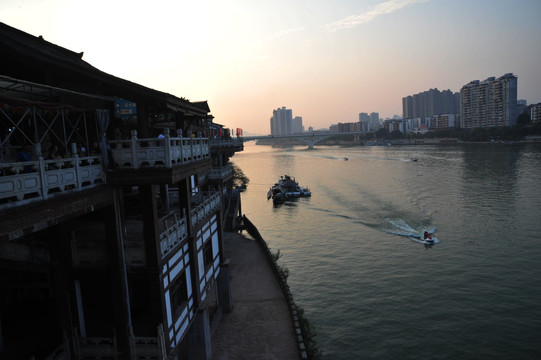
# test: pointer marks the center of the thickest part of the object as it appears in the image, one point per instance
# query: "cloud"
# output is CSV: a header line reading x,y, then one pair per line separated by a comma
x,y
380,9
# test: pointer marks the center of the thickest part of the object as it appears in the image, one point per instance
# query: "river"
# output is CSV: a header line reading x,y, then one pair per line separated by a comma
x,y
371,291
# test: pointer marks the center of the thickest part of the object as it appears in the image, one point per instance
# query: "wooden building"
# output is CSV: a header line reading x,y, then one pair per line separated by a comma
x,y
113,203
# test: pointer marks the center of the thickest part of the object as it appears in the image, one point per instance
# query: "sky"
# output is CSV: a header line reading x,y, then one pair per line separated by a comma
x,y
327,60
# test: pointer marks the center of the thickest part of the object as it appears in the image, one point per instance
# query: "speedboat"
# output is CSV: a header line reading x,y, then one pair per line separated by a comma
x,y
428,239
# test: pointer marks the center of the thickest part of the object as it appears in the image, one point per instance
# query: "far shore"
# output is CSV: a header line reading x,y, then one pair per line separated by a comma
x,y
383,142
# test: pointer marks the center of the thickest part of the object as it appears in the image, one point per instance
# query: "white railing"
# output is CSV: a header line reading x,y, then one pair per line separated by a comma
x,y
166,151
223,172
227,142
211,201
98,348
106,348
24,182
174,233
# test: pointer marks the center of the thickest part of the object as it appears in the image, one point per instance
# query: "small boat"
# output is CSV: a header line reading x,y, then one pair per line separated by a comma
x,y
305,191
287,188
241,187
429,240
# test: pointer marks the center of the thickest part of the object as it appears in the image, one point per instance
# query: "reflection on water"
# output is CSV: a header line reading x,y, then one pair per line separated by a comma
x,y
371,290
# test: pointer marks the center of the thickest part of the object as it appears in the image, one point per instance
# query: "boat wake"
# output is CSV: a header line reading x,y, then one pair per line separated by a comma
x,y
402,228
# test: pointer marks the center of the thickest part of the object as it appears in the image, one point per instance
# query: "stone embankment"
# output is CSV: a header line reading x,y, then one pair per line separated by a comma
x,y
264,323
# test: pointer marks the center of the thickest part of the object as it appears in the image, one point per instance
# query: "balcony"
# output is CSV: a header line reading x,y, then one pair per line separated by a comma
x,y
208,203
220,173
105,348
226,145
173,232
25,182
158,160
90,248
158,152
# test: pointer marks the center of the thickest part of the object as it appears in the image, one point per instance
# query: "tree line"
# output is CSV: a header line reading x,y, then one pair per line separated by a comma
x,y
506,133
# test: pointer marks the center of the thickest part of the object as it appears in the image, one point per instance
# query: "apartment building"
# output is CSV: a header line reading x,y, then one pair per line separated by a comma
x,y
298,128
535,113
489,103
374,118
429,103
281,122
444,121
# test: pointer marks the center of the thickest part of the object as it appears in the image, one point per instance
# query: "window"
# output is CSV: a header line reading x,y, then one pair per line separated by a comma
x,y
207,254
179,293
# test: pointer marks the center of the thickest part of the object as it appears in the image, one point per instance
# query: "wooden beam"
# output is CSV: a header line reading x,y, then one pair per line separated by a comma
x,y
25,220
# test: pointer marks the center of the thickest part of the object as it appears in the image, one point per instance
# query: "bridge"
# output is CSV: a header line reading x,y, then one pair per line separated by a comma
x,y
310,138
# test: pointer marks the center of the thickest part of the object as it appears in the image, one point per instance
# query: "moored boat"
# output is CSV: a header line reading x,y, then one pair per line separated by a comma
x,y
287,188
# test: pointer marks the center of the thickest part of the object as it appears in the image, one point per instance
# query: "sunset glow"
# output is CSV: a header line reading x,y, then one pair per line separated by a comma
x,y
326,60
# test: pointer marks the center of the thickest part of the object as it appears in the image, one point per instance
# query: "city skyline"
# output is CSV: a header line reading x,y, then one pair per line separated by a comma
x,y
327,61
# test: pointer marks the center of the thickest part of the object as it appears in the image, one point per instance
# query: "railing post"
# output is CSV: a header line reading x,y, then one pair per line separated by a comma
x,y
44,189
179,144
76,160
191,147
134,149
167,139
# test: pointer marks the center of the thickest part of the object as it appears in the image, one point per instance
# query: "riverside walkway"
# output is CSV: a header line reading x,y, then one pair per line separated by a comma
x,y
260,325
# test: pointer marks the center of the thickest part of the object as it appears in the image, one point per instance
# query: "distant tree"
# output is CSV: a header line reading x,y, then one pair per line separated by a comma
x,y
444,133
367,136
396,134
535,129
523,119
382,133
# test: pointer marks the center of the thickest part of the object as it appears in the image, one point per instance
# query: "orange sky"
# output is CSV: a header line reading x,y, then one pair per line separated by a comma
x,y
326,60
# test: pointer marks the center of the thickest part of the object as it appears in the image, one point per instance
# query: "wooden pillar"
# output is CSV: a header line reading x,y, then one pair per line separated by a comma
x,y
184,191
79,306
150,223
221,235
115,238
151,236
62,269
1,339
200,347
225,295
164,196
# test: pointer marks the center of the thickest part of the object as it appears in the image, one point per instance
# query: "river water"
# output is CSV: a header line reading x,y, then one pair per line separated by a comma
x,y
371,291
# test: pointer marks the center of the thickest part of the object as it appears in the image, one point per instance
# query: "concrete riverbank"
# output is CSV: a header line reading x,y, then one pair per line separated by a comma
x,y
260,325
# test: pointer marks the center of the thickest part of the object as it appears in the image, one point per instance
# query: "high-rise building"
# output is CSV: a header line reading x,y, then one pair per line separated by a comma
x,y
364,117
297,125
364,120
535,113
429,103
281,122
444,121
489,103
374,118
